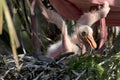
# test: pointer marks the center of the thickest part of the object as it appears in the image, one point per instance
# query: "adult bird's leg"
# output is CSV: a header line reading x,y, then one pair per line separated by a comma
x,y
103,34
34,29
91,17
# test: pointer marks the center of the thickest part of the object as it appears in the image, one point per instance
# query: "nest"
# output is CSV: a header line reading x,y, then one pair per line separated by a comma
x,y
32,69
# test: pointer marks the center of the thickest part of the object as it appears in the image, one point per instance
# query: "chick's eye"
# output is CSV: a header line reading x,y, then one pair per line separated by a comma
x,y
84,33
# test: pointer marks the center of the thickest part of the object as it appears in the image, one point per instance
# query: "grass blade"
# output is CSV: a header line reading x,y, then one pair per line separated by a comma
x,y
1,15
12,33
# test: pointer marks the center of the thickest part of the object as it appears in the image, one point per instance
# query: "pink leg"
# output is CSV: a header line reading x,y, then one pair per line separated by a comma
x,y
104,33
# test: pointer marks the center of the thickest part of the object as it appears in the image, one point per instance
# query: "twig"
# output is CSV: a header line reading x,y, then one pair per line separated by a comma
x,y
38,76
75,73
8,72
80,74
